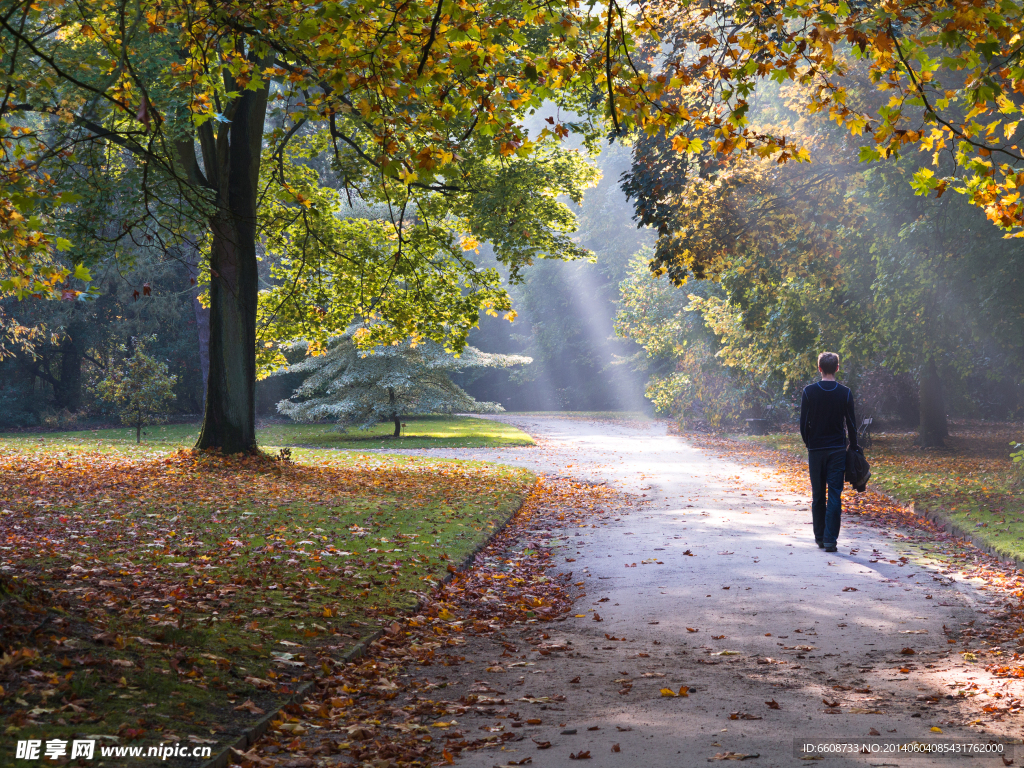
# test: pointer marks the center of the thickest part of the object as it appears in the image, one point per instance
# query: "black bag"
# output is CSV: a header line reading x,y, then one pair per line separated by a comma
x,y
858,471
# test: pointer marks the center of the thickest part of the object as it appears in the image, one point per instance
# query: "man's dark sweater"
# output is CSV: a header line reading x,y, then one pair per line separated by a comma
x,y
825,407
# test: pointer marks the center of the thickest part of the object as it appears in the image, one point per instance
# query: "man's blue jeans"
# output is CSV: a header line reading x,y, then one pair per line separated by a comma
x,y
828,469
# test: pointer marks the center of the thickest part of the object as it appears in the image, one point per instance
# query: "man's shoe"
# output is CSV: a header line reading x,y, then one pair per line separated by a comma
x,y
833,548
821,544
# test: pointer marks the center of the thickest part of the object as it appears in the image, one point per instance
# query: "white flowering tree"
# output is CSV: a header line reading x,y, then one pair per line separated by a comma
x,y
365,387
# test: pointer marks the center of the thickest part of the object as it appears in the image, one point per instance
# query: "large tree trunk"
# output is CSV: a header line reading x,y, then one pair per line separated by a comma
x,y
398,426
934,427
230,420
68,391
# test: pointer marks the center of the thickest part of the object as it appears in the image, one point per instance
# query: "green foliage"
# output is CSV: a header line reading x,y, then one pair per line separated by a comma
x,y
332,265
63,348
1017,457
139,387
687,381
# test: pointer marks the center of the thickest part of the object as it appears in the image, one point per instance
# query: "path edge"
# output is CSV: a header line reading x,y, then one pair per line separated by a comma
x,y
250,736
951,527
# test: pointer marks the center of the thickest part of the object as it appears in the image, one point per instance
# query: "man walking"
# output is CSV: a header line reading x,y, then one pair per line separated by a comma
x,y
826,408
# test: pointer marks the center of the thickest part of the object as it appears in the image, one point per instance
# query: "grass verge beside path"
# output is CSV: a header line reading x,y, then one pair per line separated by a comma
x,y
421,432
972,482
175,599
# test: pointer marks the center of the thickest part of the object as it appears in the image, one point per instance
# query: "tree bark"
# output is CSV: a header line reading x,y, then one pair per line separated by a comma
x,y
933,428
398,426
232,161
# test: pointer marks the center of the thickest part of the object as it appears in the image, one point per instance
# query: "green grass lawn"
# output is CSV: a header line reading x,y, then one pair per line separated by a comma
x,y
421,432
150,598
972,482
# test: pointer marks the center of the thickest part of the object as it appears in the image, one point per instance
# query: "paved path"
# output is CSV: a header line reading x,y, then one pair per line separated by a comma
x,y
777,619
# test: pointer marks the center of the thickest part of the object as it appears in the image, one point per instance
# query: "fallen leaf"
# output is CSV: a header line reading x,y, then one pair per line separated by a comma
x,y
849,589
249,706
691,629
828,703
908,651
874,732
580,755
616,748
773,704
733,756
935,729
542,744
250,757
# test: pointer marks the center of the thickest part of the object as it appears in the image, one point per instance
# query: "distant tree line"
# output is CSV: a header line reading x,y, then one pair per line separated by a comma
x,y
760,266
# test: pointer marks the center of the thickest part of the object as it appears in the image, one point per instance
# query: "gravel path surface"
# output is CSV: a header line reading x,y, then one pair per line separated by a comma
x,y
716,585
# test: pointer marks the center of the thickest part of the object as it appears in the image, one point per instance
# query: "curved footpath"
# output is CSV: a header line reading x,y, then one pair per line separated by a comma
x,y
730,554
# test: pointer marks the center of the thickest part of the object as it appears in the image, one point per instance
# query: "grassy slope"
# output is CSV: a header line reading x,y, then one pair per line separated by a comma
x,y
973,482
421,432
175,589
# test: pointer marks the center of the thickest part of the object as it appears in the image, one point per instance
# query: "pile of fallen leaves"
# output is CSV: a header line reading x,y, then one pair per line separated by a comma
x,y
176,599
381,710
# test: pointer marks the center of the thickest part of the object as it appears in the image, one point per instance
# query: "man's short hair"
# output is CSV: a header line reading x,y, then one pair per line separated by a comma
x,y
828,362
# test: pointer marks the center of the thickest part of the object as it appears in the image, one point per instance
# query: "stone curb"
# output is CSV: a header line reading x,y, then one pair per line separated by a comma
x,y
950,527
254,732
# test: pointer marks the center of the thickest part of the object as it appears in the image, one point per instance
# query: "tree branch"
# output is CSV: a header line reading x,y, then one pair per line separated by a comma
x,y
430,40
